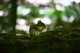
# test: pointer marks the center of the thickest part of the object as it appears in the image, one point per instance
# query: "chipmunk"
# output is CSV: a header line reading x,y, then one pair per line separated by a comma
x,y
36,29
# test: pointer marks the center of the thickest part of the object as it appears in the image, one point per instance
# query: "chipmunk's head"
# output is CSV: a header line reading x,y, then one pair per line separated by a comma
x,y
39,21
40,25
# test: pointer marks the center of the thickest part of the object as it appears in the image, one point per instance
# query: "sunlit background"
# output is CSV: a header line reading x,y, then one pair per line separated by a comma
x,y
51,12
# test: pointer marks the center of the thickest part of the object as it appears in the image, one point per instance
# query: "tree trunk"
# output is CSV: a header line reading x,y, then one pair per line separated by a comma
x,y
13,15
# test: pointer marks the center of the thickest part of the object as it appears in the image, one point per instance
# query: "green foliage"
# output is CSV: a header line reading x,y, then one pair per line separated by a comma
x,y
9,16
34,12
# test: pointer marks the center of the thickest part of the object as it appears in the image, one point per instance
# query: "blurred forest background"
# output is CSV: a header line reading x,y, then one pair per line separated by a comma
x,y
16,16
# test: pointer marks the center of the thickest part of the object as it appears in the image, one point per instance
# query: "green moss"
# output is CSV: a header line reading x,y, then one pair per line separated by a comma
x,y
58,41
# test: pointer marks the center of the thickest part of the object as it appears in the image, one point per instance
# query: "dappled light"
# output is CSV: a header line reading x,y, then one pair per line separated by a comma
x,y
46,20
68,20
21,10
41,11
39,2
21,25
50,12
59,7
1,13
21,21
63,2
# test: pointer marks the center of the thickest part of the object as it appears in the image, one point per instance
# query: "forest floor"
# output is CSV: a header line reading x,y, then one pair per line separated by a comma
x,y
61,40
